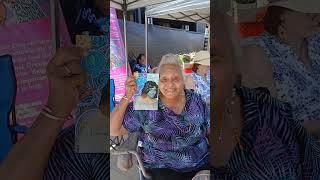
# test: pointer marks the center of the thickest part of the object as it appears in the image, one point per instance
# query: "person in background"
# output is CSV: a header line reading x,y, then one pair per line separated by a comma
x,y
200,71
254,135
43,153
174,144
140,66
286,58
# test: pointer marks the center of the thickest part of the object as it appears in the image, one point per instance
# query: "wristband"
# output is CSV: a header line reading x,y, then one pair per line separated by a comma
x,y
126,98
47,112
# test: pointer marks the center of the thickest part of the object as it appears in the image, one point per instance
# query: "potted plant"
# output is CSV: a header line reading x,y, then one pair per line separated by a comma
x,y
186,62
246,4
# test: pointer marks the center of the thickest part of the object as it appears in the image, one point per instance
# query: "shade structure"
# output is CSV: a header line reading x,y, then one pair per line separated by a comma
x,y
134,4
181,10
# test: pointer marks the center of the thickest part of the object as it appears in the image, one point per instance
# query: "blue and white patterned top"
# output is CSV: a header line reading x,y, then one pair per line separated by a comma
x,y
202,86
141,68
170,140
275,146
293,83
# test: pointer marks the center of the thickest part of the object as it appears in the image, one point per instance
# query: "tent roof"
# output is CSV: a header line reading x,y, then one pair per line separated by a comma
x,y
182,10
134,4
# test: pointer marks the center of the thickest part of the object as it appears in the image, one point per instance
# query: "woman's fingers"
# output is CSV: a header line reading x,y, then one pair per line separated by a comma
x,y
68,54
71,68
77,81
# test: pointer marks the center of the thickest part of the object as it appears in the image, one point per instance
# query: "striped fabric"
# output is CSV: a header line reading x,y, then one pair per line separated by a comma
x,y
65,164
275,146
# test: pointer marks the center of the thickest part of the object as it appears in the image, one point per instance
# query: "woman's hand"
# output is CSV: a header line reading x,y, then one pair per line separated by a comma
x,y
65,78
131,87
153,70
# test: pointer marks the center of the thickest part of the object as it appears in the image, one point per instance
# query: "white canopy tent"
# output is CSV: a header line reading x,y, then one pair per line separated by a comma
x,y
125,6
134,4
182,10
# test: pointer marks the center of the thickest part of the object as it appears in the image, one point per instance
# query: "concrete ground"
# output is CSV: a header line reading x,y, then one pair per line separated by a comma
x,y
117,174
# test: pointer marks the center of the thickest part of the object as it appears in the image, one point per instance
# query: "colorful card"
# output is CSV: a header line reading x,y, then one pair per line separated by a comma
x,y
146,97
92,129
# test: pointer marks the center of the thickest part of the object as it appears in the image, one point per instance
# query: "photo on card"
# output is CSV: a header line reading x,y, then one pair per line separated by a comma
x,y
146,97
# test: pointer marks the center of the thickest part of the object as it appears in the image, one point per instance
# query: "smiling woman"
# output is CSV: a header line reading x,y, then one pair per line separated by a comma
x,y
171,134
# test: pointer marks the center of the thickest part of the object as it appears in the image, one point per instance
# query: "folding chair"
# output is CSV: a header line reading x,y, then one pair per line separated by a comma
x,y
112,93
8,129
114,141
131,146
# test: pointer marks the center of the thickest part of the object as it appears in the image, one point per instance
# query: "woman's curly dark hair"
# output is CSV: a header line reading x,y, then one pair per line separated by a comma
x,y
273,19
139,57
147,86
195,67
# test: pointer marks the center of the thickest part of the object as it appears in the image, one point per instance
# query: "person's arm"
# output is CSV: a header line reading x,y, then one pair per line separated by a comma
x,y
28,158
118,113
257,70
226,56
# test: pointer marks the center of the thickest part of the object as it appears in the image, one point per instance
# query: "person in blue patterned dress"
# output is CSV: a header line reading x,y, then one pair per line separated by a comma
x,y
141,66
174,144
200,77
286,58
254,136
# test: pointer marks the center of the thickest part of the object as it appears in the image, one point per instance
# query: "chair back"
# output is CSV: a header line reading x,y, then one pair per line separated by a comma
x,y
7,98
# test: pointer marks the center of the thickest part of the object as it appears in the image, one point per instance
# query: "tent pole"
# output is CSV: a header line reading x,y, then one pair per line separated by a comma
x,y
125,13
146,40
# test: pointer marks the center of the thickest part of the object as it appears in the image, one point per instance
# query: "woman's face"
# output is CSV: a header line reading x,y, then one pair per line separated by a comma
x,y
142,60
171,82
301,24
152,92
202,69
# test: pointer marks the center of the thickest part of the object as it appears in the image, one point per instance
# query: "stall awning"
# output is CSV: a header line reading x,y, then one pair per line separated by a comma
x,y
181,10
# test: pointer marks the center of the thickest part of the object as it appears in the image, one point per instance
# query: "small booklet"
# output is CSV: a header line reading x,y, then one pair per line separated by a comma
x,y
92,130
146,97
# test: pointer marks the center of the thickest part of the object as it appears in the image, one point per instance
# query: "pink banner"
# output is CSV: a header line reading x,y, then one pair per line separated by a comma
x,y
117,56
30,46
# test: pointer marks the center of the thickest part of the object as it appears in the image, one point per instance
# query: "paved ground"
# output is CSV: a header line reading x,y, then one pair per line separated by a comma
x,y
117,174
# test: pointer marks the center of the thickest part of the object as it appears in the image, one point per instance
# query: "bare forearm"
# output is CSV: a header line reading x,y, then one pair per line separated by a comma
x,y
116,117
28,158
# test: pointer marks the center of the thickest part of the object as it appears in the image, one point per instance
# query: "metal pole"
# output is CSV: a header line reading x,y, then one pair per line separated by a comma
x,y
125,13
146,40
55,36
